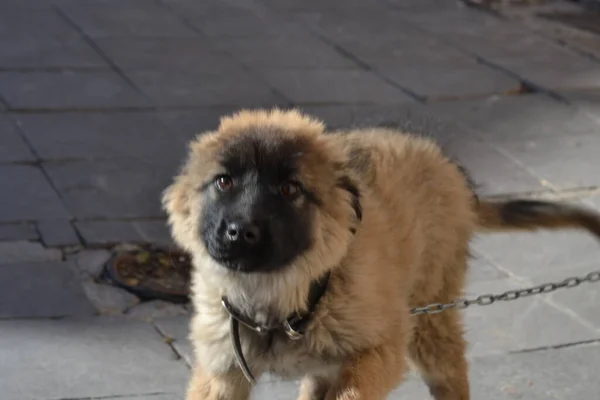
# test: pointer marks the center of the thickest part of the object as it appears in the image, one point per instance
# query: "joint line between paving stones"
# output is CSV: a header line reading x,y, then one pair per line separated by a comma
x,y
99,51
116,396
168,340
173,11
532,85
546,299
541,33
556,347
363,65
38,163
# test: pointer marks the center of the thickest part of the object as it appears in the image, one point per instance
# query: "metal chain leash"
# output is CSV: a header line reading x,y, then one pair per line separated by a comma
x,y
487,299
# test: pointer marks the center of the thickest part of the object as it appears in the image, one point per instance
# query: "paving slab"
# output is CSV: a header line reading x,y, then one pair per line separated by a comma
x,y
190,123
86,358
483,161
532,253
554,141
108,232
587,100
156,232
285,52
100,136
171,54
535,376
41,24
504,119
18,232
512,47
89,89
523,324
581,301
242,23
410,118
27,195
334,86
26,251
113,189
185,89
177,328
58,233
31,52
481,269
13,148
125,19
40,290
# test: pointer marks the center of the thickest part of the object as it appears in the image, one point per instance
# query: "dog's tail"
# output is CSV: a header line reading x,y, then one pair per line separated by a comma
x,y
530,215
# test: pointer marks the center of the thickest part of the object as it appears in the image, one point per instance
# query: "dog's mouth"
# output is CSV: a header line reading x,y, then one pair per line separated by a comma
x,y
234,261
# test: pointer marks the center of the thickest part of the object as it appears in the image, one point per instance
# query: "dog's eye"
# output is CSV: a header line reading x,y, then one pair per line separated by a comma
x,y
223,183
289,189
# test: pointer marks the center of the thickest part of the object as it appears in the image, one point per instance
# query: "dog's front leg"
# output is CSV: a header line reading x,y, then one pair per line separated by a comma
x,y
228,386
370,375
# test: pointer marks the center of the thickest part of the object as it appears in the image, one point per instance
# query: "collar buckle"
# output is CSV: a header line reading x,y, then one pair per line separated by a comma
x,y
288,328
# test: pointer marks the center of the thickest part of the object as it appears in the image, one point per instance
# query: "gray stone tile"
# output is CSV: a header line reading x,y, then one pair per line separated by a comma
x,y
334,86
12,146
190,123
108,299
125,19
177,328
449,81
545,251
35,290
560,374
78,90
76,358
39,24
483,162
481,269
18,232
582,300
566,161
587,100
517,118
113,189
155,232
245,23
27,195
151,310
100,136
168,54
31,52
526,323
410,118
529,57
285,52
25,251
108,232
57,233
502,377
195,89
556,142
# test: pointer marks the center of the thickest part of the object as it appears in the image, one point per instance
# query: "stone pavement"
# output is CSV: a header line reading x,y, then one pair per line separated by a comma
x,y
99,97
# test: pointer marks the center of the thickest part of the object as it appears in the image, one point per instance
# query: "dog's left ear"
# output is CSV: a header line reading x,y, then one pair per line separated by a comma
x,y
349,185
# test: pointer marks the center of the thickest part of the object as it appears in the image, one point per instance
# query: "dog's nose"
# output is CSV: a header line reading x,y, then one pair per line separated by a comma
x,y
240,232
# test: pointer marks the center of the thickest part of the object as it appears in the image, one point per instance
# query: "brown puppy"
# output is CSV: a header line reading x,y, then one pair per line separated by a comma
x,y
337,236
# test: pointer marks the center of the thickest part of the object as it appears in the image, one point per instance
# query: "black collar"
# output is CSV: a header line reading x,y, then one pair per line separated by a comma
x,y
294,326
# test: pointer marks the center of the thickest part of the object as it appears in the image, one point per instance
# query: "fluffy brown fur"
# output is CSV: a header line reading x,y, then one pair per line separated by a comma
x,y
410,249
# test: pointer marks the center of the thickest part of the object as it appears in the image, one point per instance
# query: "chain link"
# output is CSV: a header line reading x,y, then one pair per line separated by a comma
x,y
488,299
